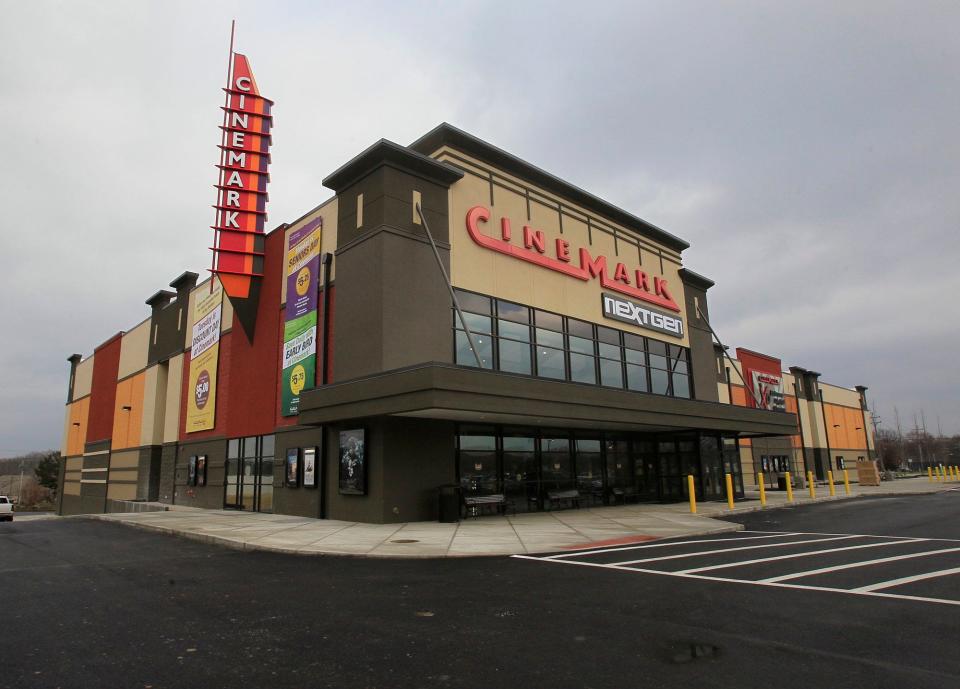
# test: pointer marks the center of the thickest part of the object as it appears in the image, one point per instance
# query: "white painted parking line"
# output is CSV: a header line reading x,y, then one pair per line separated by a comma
x,y
907,580
853,565
702,577
791,556
644,546
867,535
732,550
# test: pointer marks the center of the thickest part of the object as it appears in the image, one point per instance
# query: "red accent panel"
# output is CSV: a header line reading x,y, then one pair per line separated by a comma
x,y
755,361
255,366
103,390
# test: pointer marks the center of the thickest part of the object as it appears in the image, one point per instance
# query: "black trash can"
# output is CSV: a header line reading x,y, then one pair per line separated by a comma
x,y
449,503
781,482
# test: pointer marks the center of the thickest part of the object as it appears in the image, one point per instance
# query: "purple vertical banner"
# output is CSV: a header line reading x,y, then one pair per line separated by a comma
x,y
299,355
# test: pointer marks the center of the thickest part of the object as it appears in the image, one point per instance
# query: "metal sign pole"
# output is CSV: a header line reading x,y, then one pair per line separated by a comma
x,y
453,296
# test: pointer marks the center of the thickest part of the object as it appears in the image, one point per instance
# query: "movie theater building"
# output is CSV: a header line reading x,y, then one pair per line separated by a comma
x,y
835,426
351,390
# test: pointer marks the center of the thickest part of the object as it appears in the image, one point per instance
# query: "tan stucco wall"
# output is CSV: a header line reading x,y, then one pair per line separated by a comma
x,y
479,269
171,411
83,378
154,403
134,346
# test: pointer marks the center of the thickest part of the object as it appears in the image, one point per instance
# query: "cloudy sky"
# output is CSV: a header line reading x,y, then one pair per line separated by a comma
x,y
808,151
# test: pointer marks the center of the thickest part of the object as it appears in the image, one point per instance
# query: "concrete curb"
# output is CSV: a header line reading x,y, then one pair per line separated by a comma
x,y
234,544
720,526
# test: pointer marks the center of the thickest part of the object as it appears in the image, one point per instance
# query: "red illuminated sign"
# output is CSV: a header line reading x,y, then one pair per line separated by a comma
x,y
242,183
635,283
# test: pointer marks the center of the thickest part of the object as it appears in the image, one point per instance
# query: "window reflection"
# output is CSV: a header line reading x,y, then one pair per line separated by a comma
x,y
514,338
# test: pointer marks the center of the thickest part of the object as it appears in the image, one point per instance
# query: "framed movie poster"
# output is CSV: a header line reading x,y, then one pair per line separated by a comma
x,y
192,471
353,462
201,470
293,467
310,468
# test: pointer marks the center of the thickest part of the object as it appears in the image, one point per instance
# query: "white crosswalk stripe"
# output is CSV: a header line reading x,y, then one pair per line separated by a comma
x,y
871,575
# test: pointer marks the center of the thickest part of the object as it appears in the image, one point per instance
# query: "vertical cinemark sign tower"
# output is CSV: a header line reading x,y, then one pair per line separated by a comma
x,y
242,192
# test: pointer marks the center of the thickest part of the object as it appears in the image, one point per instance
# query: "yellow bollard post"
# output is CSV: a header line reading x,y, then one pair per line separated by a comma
x,y
930,474
789,488
846,482
763,489
693,494
940,470
811,485
833,491
729,491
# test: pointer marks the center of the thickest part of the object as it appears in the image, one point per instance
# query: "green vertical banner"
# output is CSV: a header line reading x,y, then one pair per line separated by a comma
x,y
299,364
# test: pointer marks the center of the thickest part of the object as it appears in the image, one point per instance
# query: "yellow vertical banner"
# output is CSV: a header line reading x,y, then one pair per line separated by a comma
x,y
204,355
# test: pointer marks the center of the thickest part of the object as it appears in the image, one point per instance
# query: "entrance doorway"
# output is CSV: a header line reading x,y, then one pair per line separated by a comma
x,y
249,474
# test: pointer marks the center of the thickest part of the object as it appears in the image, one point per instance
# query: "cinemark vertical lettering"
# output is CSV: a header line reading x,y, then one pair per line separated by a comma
x,y
242,183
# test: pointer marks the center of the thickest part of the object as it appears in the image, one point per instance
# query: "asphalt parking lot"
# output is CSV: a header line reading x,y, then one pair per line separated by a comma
x,y
93,604
916,569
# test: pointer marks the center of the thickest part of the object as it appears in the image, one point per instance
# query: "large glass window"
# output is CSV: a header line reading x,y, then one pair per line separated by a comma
x,y
556,464
515,338
478,464
590,471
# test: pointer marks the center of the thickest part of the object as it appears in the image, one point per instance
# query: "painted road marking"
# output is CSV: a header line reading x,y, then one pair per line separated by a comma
x,y
907,580
800,587
594,550
730,550
875,590
865,563
743,563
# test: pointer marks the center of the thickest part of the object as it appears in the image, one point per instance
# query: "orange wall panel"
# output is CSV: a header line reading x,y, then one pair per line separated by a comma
x,y
77,432
127,422
845,427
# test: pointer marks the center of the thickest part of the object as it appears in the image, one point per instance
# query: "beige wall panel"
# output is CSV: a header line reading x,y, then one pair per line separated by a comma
x,y
124,460
67,425
121,491
543,216
148,422
834,394
171,412
74,464
71,487
474,166
723,390
83,378
482,270
123,475
134,346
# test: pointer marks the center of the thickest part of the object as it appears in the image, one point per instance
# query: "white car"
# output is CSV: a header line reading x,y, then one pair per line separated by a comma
x,y
6,509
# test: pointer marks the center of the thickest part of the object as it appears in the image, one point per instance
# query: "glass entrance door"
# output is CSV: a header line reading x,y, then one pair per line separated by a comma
x,y
711,467
556,465
248,474
520,480
589,464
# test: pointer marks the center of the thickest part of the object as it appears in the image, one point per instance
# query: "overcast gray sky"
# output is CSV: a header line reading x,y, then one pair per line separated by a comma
x,y
808,151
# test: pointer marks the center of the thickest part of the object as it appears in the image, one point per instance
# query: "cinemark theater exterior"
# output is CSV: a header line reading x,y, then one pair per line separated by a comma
x,y
350,390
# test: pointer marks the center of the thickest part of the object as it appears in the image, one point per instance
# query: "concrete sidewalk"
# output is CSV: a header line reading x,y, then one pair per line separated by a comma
x,y
500,535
